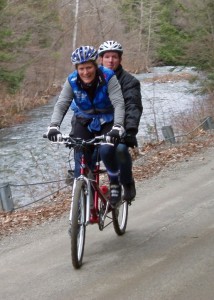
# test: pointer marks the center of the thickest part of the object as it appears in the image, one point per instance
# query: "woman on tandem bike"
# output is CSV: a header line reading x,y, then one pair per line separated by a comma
x,y
94,95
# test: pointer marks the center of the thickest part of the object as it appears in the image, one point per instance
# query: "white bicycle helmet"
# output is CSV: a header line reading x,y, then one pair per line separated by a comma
x,y
110,46
84,54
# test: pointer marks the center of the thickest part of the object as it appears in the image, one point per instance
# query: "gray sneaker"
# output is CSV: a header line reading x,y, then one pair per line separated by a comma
x,y
115,194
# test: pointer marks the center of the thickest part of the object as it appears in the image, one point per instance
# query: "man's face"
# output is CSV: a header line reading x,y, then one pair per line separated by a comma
x,y
87,72
111,60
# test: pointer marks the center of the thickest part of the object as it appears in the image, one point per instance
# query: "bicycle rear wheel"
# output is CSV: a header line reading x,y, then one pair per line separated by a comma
x,y
78,226
120,217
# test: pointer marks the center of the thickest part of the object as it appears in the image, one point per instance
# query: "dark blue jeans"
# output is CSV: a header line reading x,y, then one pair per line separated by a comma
x,y
125,164
117,161
107,154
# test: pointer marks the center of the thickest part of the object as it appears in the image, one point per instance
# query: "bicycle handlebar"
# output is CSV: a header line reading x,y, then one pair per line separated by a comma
x,y
73,142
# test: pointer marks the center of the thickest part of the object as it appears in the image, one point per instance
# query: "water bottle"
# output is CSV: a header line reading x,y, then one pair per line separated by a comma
x,y
104,189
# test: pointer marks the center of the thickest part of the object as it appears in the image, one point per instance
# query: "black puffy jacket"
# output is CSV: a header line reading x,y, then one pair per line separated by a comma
x,y
130,87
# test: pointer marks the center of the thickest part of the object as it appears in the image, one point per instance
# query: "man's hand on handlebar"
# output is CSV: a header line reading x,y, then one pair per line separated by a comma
x,y
130,138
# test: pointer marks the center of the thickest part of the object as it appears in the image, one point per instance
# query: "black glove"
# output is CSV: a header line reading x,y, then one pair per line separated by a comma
x,y
115,134
53,134
130,140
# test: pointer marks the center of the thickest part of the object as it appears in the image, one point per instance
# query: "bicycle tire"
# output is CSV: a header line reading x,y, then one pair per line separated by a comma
x,y
78,226
120,218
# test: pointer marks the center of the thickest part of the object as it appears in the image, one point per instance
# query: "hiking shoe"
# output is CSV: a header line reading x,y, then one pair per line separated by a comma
x,y
129,191
115,194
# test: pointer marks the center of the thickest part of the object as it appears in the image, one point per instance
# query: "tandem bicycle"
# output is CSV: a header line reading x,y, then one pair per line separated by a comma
x,y
90,199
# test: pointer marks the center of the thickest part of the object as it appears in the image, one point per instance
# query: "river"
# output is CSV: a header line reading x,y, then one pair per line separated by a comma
x,y
27,158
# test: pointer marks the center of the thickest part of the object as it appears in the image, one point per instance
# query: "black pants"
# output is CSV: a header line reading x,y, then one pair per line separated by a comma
x,y
107,152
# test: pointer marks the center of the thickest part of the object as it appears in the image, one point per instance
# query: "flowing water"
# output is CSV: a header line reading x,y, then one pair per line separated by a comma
x,y
163,100
27,158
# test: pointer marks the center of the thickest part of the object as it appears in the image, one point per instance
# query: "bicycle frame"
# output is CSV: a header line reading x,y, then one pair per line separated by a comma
x,y
93,192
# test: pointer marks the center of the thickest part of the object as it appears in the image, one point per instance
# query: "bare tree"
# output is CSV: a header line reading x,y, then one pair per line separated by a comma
x,y
75,25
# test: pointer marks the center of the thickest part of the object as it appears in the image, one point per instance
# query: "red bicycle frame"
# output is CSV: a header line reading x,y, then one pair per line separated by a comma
x,y
97,191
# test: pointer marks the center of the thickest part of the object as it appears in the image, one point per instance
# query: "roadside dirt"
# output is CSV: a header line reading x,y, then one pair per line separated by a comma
x,y
147,162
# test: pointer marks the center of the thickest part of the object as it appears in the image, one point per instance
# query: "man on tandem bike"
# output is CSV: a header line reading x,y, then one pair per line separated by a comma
x,y
110,53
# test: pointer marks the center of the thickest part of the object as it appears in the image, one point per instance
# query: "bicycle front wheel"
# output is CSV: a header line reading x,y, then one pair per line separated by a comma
x,y
120,218
78,226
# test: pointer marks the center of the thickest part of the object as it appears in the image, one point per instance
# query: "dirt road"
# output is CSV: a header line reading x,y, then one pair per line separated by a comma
x,y
167,252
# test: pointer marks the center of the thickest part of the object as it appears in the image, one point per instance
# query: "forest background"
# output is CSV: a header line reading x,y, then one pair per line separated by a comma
x,y
37,38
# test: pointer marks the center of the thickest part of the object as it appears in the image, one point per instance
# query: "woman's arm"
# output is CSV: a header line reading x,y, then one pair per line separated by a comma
x,y
116,97
62,105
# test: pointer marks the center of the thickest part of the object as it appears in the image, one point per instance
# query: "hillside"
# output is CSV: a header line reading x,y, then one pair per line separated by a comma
x,y
37,38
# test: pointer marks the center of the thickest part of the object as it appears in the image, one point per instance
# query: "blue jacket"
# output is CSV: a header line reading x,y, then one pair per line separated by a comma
x,y
99,109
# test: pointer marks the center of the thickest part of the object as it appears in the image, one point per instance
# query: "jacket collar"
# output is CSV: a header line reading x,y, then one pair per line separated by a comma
x,y
118,71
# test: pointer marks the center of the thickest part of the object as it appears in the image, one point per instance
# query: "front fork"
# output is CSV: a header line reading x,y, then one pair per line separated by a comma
x,y
91,205
88,194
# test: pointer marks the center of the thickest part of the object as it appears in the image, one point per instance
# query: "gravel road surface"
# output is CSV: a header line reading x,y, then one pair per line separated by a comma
x,y
167,252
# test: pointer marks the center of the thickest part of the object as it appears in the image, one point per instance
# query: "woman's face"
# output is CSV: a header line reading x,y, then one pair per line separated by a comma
x,y
87,72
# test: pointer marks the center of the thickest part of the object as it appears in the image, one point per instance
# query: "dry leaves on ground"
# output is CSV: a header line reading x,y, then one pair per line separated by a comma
x,y
157,156
23,218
